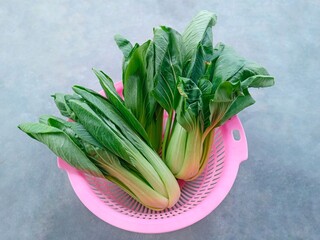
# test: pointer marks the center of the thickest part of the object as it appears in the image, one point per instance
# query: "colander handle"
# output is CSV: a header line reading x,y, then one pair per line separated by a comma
x,y
236,139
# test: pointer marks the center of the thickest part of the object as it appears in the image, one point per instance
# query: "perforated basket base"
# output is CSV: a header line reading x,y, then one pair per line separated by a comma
x,y
198,197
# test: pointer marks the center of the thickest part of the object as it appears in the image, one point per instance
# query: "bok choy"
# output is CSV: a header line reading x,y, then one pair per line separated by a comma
x,y
212,87
105,144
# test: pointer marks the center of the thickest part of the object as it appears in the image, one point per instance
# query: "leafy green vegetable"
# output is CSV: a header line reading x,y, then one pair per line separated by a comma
x,y
114,99
104,162
168,57
128,146
212,88
62,145
137,87
107,141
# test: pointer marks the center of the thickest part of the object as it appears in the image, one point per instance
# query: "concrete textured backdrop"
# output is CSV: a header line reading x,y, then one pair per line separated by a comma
x,y
48,46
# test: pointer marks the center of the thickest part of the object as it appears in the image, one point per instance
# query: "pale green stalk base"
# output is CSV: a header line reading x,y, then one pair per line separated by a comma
x,y
147,170
185,150
207,145
137,188
176,149
168,180
193,152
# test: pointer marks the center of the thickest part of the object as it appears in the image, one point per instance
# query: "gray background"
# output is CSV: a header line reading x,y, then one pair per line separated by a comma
x,y
48,46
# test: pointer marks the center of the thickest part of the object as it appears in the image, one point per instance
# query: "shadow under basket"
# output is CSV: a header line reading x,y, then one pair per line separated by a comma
x,y
198,197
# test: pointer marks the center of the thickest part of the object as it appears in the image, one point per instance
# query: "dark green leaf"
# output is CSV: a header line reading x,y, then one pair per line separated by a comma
x,y
105,108
138,82
168,65
136,88
198,29
104,132
206,88
258,81
108,87
74,129
232,77
197,66
117,102
227,65
223,98
240,103
62,145
127,49
190,104
60,101
124,45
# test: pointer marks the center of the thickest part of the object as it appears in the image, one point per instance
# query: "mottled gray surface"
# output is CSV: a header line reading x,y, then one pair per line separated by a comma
x,y
47,46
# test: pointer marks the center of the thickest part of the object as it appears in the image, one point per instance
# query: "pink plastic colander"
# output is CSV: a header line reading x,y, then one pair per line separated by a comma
x,y
198,198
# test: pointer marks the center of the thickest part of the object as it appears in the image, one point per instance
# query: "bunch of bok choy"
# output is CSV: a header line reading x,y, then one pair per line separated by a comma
x,y
198,85
107,141
211,88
